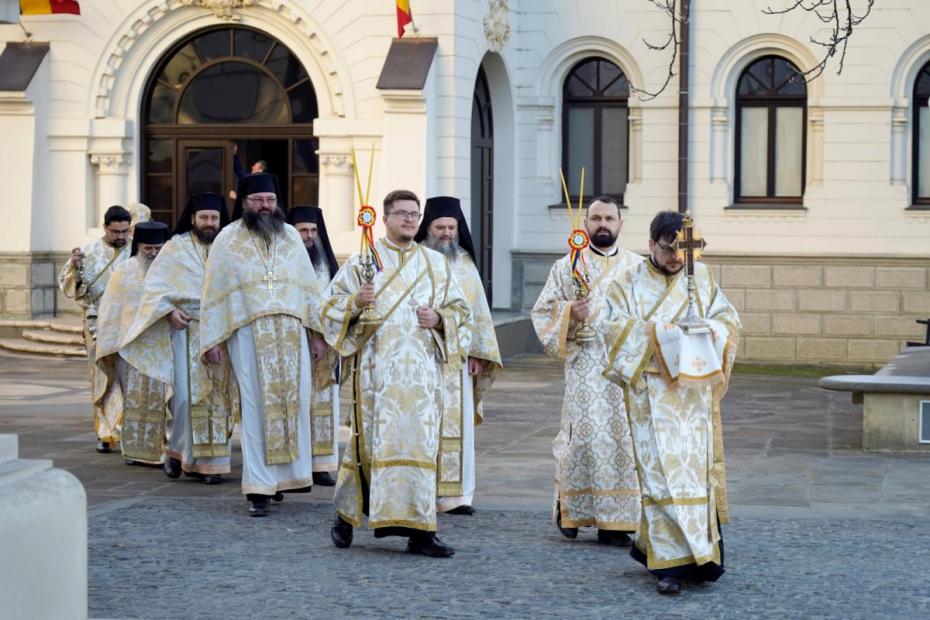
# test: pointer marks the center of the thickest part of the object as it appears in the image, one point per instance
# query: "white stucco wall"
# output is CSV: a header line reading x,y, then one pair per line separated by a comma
x,y
859,123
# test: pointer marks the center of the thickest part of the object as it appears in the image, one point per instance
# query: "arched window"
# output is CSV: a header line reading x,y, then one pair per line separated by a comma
x,y
921,148
595,128
220,94
771,119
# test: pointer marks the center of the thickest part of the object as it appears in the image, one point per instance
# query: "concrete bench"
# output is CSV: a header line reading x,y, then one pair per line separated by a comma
x,y
896,402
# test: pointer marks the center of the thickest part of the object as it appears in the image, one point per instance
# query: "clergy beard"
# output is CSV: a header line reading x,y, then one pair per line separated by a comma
x,y
144,262
603,238
316,257
449,249
268,225
119,243
206,235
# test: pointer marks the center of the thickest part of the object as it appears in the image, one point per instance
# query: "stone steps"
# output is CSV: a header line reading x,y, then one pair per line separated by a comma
x,y
60,337
50,336
19,345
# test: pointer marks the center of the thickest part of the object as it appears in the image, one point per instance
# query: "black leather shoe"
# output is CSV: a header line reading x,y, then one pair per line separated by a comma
x,y
324,479
567,532
461,510
427,544
667,585
611,537
172,468
103,447
341,533
212,479
129,461
278,497
258,505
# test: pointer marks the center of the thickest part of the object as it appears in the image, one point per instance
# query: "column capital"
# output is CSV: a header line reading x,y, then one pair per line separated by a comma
x,y
110,163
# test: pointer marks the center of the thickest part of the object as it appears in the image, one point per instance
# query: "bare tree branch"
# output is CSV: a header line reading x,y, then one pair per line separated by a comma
x,y
839,14
843,20
670,7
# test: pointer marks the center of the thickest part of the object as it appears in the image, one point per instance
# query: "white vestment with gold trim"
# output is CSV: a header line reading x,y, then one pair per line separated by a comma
x,y
673,384
86,287
462,401
389,468
260,299
595,481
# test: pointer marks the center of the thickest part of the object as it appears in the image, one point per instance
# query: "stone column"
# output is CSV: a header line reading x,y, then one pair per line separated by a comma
x,y
899,157
112,172
337,191
718,143
815,146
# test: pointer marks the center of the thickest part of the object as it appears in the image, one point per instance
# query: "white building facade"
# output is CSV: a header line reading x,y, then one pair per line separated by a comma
x,y
813,197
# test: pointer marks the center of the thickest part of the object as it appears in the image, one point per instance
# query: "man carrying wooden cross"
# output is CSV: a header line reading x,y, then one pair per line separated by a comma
x,y
674,366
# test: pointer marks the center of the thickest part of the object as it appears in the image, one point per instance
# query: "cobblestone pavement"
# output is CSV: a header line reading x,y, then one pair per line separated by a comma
x,y
820,528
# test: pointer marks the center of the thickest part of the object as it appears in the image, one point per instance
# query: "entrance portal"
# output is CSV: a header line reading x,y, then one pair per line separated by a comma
x,y
222,95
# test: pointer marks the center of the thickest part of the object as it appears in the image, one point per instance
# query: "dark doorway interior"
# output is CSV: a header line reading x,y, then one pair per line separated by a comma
x,y
274,152
482,179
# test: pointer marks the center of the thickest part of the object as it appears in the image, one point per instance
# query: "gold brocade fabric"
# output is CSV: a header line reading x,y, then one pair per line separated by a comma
x,y
144,417
323,378
277,345
175,281
100,260
396,372
676,425
145,407
596,482
482,344
273,288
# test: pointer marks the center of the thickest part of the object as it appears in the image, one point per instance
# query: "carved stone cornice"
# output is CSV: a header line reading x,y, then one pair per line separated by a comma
x,y
497,25
223,9
339,162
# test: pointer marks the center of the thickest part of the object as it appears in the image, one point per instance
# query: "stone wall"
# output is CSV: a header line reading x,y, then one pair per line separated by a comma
x,y
857,310
29,284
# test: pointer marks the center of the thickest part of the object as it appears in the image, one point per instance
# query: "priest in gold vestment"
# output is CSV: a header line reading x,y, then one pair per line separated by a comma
x,y
324,402
260,299
144,407
164,345
595,480
673,381
398,361
83,278
445,230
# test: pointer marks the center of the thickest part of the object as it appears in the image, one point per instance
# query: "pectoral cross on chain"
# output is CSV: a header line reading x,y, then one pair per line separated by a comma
x,y
270,279
689,243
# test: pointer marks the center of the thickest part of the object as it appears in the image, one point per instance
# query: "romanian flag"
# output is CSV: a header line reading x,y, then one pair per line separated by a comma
x,y
404,16
49,7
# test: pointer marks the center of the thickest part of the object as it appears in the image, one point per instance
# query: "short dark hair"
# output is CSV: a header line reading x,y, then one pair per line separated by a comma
x,y
665,225
398,194
116,213
610,200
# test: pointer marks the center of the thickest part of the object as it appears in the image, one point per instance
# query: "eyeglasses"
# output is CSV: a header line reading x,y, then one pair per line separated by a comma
x,y
667,249
259,200
407,215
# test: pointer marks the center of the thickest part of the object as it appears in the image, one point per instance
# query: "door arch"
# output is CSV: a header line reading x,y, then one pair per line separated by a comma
x,y
219,94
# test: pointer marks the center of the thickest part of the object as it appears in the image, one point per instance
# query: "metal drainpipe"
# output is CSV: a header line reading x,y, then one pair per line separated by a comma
x,y
684,128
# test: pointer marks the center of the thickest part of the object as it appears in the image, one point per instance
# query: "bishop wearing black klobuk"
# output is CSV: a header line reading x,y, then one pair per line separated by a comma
x,y
144,417
324,404
445,230
164,340
260,302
